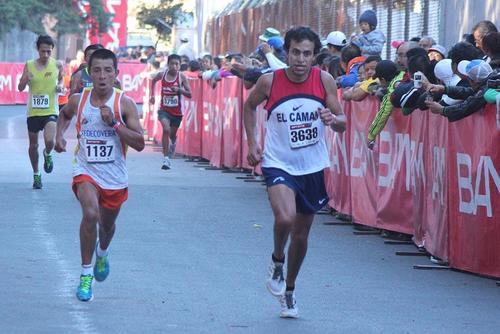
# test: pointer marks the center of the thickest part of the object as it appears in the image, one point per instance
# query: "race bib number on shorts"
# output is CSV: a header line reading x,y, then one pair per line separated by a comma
x,y
102,151
40,101
171,100
302,135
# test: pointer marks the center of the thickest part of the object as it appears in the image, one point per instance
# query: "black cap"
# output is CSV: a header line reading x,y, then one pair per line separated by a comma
x,y
386,69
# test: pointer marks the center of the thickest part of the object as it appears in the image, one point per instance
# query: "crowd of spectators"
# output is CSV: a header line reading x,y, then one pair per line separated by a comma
x,y
423,76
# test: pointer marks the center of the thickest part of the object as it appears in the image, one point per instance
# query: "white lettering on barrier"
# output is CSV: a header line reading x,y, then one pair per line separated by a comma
x,y
207,112
339,151
403,150
417,165
231,112
212,119
438,173
361,153
131,83
190,115
5,82
485,171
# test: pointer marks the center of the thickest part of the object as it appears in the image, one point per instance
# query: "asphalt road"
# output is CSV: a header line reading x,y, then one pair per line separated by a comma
x,y
190,256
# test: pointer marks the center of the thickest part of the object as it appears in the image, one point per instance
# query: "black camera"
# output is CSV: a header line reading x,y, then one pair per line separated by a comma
x,y
493,83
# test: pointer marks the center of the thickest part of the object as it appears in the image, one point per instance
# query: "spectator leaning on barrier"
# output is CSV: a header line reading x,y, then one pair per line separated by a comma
x,y
436,52
478,72
444,73
351,59
410,95
389,76
366,87
401,57
371,40
462,51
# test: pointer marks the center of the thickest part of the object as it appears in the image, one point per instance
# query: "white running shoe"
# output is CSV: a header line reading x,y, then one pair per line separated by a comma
x,y
166,163
289,307
276,281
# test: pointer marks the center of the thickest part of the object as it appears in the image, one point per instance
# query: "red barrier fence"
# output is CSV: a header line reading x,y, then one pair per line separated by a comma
x,y
427,177
10,73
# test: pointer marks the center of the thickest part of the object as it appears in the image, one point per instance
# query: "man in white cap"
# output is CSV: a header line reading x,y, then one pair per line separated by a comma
x,y
335,41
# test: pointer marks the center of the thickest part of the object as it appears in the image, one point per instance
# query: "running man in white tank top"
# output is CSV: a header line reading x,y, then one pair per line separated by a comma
x,y
301,102
107,123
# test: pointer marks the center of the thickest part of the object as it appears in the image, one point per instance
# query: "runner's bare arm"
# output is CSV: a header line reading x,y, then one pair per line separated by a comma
x,y
25,78
186,88
155,79
256,97
332,115
60,75
64,120
75,83
131,133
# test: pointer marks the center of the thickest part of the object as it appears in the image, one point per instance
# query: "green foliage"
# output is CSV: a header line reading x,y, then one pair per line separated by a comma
x,y
22,14
162,16
29,15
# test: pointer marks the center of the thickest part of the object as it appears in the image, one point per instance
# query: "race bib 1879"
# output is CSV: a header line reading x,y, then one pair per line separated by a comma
x,y
99,150
40,101
171,100
301,135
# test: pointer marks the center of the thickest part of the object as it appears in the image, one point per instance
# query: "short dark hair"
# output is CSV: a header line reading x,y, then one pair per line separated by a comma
x,y
369,59
463,51
194,66
44,39
103,54
92,47
172,57
491,43
349,52
301,33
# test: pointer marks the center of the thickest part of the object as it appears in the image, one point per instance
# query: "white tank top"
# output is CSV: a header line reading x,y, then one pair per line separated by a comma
x,y
100,153
295,135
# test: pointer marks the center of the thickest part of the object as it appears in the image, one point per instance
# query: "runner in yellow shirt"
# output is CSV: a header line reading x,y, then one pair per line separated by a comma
x,y
44,78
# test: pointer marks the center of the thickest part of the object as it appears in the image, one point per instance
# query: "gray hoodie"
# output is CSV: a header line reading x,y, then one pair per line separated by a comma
x,y
371,43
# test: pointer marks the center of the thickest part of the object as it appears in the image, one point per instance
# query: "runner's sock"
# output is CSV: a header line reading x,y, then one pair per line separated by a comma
x,y
38,173
290,288
102,252
87,269
275,259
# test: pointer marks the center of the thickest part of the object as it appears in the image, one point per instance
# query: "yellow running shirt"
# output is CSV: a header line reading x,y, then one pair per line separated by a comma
x,y
42,100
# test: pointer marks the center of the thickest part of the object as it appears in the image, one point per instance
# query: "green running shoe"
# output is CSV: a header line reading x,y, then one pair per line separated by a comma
x,y
101,267
84,290
48,164
37,181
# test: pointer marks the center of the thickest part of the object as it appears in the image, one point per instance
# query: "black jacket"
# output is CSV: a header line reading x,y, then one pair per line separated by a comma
x,y
473,100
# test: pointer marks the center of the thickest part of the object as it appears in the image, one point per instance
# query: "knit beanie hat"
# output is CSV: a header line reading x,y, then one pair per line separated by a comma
x,y
369,17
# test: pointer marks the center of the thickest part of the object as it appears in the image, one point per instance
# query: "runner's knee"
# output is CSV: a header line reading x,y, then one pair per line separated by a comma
x,y
90,215
284,219
33,146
